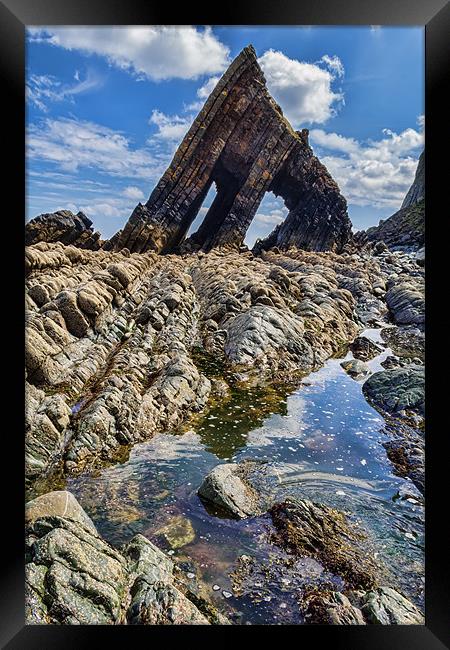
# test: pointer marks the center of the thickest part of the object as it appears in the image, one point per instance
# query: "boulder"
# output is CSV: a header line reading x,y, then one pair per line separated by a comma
x,y
59,503
355,368
62,226
397,390
386,606
364,348
228,488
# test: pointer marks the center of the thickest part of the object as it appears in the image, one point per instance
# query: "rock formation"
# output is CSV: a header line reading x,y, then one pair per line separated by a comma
x,y
62,226
110,336
405,228
74,577
240,141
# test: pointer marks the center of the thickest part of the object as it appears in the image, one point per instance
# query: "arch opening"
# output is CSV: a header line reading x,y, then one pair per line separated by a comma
x,y
227,186
271,213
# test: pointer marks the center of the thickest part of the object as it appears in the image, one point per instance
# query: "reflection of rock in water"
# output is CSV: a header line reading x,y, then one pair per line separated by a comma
x,y
224,430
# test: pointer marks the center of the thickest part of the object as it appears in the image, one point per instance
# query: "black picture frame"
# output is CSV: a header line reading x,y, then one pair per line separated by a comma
x,y
434,15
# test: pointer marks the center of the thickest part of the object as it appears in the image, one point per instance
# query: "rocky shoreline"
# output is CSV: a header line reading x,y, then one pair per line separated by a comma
x,y
110,337
113,342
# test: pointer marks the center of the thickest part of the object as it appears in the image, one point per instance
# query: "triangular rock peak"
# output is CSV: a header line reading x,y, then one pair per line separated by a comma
x,y
240,141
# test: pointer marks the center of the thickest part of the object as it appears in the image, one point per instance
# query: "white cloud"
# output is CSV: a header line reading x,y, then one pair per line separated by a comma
x,y
204,91
41,89
303,90
157,53
73,144
334,64
333,141
273,218
375,173
133,192
97,210
170,127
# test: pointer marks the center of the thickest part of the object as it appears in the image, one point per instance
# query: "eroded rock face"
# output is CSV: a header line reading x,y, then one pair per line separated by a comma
x,y
63,226
381,606
112,337
417,190
74,577
240,141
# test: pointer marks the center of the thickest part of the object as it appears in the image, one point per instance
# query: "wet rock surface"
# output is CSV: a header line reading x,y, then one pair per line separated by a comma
x,y
397,390
356,368
315,530
382,606
229,488
364,348
74,577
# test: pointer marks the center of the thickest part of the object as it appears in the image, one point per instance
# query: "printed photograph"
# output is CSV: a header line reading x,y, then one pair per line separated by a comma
x,y
225,325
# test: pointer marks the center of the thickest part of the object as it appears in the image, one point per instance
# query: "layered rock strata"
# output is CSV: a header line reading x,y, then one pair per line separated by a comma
x,y
241,142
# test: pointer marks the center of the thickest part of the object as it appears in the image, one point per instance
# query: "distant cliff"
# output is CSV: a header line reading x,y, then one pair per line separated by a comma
x,y
407,226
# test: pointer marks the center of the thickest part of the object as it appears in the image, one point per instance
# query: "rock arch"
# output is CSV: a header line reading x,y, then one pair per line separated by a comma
x,y
240,141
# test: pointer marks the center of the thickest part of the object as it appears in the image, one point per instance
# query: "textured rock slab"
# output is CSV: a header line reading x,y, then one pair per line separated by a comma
x,y
381,606
60,504
397,390
386,606
406,302
74,577
331,608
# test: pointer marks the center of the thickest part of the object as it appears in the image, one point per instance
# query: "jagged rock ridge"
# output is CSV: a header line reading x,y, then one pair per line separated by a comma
x,y
62,226
240,141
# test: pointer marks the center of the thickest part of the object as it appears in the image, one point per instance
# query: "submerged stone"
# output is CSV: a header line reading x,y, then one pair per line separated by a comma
x,y
178,532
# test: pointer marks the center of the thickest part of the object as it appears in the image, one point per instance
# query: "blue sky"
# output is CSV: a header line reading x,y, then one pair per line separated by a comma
x,y
108,106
